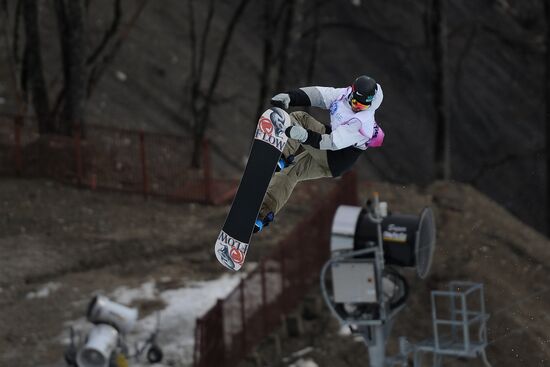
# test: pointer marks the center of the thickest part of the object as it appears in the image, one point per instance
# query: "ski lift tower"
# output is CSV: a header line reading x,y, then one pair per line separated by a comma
x,y
365,292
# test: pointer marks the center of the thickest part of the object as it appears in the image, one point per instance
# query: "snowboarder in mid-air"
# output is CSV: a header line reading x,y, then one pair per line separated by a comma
x,y
328,150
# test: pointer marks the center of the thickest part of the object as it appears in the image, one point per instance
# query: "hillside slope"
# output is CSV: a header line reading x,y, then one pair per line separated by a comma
x,y
83,242
477,240
60,245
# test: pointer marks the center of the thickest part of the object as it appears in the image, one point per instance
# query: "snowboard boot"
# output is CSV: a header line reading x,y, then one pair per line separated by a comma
x,y
284,162
261,223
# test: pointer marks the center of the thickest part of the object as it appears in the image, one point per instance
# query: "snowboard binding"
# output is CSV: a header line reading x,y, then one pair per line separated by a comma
x,y
261,223
284,162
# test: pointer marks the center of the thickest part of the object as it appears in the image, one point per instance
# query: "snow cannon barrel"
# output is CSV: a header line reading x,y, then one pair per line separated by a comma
x,y
408,240
101,310
100,344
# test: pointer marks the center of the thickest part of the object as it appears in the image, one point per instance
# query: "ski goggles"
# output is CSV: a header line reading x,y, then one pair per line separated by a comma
x,y
356,105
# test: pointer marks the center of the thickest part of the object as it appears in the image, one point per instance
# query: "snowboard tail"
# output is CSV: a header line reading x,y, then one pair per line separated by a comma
x,y
269,141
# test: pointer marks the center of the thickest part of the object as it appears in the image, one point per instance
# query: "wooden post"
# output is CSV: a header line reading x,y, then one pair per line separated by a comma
x,y
17,135
219,306
78,156
143,163
303,268
198,344
243,317
282,262
207,171
264,297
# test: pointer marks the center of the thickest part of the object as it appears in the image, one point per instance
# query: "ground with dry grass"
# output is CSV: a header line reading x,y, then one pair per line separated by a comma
x,y
97,241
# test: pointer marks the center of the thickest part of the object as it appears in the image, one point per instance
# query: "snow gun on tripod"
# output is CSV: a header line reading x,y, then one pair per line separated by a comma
x,y
365,291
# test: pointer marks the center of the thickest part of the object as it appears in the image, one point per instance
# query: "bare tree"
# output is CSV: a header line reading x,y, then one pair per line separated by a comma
x,y
281,37
442,127
10,60
70,17
271,21
286,44
82,72
268,21
315,41
112,42
33,68
201,91
81,68
547,106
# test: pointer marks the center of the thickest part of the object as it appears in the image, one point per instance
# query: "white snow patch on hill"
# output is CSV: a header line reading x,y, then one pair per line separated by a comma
x,y
177,319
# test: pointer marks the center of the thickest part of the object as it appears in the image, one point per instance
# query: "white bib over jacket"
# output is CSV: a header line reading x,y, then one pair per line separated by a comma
x,y
349,129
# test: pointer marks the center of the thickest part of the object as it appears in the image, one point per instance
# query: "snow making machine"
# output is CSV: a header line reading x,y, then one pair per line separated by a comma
x,y
105,343
360,282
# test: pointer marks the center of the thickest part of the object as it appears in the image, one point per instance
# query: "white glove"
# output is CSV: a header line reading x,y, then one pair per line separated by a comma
x,y
296,133
281,100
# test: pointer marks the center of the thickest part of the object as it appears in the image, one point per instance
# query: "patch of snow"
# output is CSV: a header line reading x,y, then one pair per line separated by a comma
x,y
344,330
127,295
177,319
304,363
45,291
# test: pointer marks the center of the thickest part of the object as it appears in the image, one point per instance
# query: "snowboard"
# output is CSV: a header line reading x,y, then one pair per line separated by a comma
x,y
269,141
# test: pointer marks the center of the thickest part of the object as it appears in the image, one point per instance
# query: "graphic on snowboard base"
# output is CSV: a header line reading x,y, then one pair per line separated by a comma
x,y
269,141
230,252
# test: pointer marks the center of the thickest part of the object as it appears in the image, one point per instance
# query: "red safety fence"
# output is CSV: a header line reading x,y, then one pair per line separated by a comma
x,y
229,330
114,159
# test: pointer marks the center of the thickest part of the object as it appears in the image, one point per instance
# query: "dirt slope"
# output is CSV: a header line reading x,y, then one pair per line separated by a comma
x,y
79,242
88,241
477,241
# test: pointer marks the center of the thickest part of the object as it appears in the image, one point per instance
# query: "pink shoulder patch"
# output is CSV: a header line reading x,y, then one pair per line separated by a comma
x,y
377,138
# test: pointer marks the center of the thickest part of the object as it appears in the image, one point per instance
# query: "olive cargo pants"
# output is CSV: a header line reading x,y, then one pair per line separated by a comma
x,y
310,164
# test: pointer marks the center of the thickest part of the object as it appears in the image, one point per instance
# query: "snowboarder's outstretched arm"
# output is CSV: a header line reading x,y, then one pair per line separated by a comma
x,y
321,97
